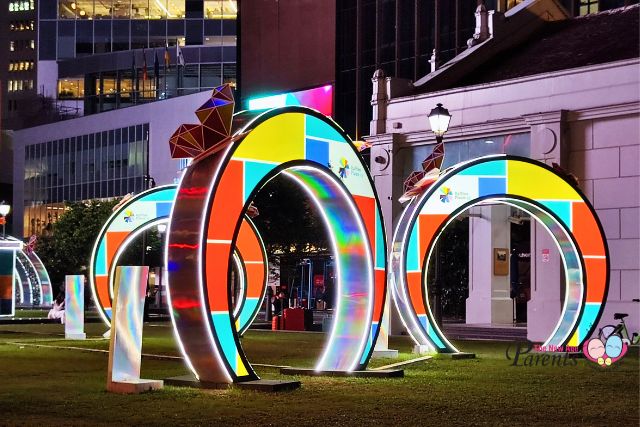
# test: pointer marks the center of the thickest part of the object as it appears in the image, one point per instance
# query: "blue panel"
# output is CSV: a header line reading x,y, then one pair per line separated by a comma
x,y
490,186
253,173
163,209
561,208
413,254
247,310
101,256
492,168
380,255
320,129
317,151
588,319
6,262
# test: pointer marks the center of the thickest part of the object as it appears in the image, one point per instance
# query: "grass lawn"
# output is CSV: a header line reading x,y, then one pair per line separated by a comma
x,y
52,386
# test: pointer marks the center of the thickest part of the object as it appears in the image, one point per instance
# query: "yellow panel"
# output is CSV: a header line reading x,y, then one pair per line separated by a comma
x,y
573,341
279,139
242,371
529,180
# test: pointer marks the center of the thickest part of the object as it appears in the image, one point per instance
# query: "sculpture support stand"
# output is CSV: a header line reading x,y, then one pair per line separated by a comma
x,y
74,307
125,347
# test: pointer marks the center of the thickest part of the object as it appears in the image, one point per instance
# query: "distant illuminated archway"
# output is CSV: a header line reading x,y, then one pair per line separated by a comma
x,y
149,209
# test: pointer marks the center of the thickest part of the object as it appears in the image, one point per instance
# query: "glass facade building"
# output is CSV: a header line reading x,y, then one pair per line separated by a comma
x,y
97,165
117,53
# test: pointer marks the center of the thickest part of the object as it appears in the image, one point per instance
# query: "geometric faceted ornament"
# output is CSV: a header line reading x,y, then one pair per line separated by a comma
x,y
215,116
149,209
419,181
549,197
215,192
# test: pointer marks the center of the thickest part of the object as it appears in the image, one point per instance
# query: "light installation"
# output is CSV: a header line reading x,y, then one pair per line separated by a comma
x,y
8,248
318,98
212,198
74,307
147,210
526,184
125,347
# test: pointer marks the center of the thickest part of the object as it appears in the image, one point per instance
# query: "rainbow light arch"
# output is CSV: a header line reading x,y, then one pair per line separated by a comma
x,y
149,209
521,182
214,194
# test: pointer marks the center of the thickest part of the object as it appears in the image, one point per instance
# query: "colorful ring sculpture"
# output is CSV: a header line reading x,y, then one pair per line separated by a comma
x,y
213,195
150,209
529,185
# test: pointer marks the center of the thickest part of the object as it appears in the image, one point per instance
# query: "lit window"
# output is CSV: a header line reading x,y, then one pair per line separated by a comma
x,y
32,44
12,45
220,9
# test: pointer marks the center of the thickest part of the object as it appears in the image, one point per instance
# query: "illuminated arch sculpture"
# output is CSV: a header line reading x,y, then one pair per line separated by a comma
x,y
214,193
529,185
150,209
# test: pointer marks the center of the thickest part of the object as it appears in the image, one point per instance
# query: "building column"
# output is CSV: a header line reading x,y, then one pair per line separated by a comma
x,y
489,299
548,135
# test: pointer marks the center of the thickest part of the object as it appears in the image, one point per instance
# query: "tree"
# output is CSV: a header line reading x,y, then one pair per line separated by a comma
x,y
289,222
67,248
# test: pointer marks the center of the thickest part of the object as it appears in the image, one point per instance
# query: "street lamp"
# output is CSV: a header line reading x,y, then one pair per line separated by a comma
x,y
439,119
4,211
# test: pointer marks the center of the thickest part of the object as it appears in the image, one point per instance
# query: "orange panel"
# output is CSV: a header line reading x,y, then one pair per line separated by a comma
x,y
428,226
102,286
379,293
248,243
367,208
596,278
586,231
414,280
114,240
217,271
227,203
255,279
6,287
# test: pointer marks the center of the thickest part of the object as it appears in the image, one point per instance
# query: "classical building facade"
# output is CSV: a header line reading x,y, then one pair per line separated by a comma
x,y
561,90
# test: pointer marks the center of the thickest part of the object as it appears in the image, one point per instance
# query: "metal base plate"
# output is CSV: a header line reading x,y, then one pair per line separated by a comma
x,y
81,336
134,386
386,354
388,373
269,386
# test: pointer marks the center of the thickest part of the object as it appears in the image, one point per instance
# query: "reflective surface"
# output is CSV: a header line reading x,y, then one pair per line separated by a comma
x,y
74,306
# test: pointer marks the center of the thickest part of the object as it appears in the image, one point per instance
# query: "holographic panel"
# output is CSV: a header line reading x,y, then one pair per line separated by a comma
x,y
125,348
319,98
74,307
353,260
24,291
529,185
46,295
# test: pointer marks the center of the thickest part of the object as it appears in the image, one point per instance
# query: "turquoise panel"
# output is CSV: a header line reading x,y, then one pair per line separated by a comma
x,y
367,347
561,208
380,255
320,129
222,326
101,258
587,320
253,173
493,168
160,196
413,254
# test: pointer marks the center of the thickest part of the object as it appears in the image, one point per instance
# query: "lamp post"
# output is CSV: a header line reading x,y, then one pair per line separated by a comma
x,y
439,119
5,208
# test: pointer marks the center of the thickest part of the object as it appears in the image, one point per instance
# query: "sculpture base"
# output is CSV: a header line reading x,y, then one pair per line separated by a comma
x,y
269,386
458,356
423,349
387,373
386,354
80,336
134,386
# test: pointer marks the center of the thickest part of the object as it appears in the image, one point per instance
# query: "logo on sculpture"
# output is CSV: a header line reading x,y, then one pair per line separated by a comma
x,y
129,216
344,169
446,195
606,349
